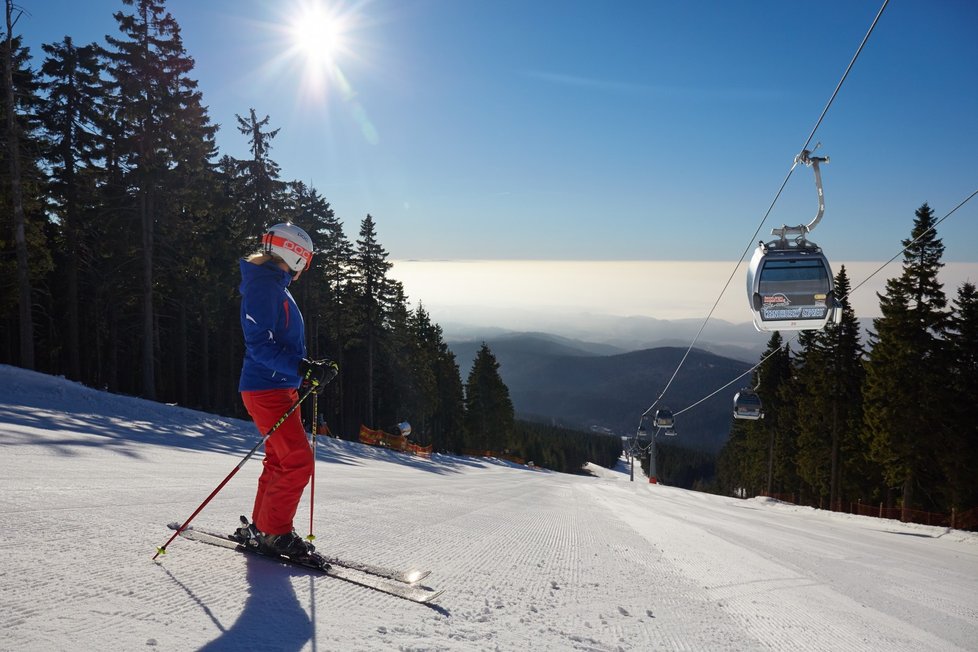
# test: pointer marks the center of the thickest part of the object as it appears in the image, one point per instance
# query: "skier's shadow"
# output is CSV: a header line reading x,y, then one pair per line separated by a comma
x,y
272,618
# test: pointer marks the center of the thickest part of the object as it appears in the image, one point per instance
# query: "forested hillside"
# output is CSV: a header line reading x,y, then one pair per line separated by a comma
x,y
552,382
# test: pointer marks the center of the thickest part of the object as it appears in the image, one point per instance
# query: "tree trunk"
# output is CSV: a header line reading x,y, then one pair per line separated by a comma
x,y
74,339
182,355
834,469
148,367
17,198
204,373
71,280
112,367
370,375
907,499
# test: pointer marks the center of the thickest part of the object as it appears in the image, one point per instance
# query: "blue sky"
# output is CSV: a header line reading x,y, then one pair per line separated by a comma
x,y
586,130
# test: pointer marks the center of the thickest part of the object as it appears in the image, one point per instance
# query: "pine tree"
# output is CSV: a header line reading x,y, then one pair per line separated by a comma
x,y
774,445
489,415
418,396
829,411
162,126
434,396
69,115
905,370
370,289
810,387
13,64
753,459
448,418
262,190
959,452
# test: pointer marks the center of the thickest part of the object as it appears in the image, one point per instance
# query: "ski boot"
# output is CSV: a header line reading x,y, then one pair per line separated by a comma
x,y
289,545
247,534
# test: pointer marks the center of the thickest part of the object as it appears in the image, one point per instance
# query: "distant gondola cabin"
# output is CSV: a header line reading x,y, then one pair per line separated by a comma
x,y
664,418
747,405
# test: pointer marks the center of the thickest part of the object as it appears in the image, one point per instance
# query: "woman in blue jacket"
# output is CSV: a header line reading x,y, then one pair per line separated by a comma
x,y
275,365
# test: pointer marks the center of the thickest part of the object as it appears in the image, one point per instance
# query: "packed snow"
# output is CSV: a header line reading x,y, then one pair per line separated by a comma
x,y
528,559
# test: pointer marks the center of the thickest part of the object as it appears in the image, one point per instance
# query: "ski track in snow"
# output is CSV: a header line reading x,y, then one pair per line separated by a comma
x,y
529,559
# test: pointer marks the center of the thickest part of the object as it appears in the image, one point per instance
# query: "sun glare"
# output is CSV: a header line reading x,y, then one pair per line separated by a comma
x,y
315,41
318,36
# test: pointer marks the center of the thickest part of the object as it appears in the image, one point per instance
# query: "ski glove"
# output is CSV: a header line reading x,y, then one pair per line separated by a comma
x,y
317,373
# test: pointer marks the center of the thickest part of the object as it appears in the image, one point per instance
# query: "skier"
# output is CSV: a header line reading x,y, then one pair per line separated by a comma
x,y
274,366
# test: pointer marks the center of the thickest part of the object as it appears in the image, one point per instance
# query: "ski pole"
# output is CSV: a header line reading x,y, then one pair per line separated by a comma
x,y
288,413
312,489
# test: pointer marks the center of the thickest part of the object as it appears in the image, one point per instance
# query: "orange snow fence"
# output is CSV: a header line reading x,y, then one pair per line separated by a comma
x,y
370,437
421,451
394,442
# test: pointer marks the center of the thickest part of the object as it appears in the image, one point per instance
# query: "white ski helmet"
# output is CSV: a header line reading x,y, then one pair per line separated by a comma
x,y
290,243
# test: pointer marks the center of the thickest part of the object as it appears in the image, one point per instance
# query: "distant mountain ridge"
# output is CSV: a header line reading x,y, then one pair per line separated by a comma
x,y
581,385
588,331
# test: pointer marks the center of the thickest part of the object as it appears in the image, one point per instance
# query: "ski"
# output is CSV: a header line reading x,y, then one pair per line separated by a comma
x,y
384,584
409,576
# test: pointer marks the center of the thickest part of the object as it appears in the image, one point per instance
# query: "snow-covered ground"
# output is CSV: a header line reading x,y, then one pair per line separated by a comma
x,y
529,560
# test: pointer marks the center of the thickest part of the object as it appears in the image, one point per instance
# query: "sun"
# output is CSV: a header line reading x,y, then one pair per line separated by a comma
x,y
317,35
316,43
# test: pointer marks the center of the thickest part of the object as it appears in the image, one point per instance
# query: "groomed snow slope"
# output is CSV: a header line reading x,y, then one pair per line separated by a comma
x,y
530,560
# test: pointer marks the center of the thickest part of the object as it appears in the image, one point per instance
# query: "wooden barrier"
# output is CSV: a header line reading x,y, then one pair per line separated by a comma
x,y
397,443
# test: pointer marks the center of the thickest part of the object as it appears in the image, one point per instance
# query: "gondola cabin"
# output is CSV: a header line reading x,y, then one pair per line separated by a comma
x,y
664,418
642,436
790,288
747,405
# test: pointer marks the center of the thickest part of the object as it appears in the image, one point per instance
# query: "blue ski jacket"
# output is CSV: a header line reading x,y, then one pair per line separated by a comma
x,y
274,334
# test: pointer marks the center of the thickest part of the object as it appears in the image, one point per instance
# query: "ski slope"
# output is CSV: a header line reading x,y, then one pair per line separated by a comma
x,y
530,560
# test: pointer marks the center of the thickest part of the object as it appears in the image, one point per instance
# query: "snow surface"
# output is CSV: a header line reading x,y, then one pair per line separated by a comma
x,y
529,559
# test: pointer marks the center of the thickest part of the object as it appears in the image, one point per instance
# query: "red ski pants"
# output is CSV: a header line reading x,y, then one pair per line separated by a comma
x,y
288,459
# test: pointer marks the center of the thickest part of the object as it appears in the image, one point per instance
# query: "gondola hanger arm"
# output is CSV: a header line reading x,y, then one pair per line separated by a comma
x,y
803,229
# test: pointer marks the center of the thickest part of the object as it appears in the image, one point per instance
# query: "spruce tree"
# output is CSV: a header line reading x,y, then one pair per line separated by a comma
x,y
959,451
20,185
811,386
448,419
489,415
906,367
262,190
162,126
70,115
421,400
370,289
433,395
829,413
753,459
771,442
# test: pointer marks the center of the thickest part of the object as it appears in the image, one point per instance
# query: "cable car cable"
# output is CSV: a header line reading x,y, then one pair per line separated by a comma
x,y
932,228
845,74
770,208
